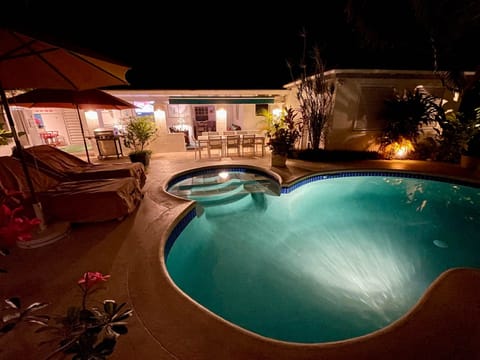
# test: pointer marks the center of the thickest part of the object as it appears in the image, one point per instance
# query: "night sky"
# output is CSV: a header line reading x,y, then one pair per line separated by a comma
x,y
235,45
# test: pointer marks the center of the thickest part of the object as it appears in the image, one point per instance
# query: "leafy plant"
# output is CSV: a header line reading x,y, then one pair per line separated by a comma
x,y
283,132
5,135
458,135
406,113
12,314
89,332
140,131
315,94
14,225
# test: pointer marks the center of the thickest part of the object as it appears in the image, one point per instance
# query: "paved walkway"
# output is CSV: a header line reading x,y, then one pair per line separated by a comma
x,y
167,325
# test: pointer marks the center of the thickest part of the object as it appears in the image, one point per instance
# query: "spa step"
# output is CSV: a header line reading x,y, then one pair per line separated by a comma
x,y
232,208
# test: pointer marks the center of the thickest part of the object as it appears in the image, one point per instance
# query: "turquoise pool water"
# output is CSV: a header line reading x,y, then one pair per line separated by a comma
x,y
335,259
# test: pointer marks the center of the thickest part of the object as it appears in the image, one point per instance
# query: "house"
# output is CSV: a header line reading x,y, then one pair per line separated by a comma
x,y
356,121
181,115
192,112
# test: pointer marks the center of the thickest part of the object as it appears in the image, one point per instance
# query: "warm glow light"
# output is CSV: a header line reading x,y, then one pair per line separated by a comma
x,y
91,115
399,150
160,119
456,96
277,112
159,113
223,175
221,118
222,112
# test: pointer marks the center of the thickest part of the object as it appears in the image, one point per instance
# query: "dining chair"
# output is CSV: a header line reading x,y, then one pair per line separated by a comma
x,y
200,145
232,142
260,142
248,142
215,143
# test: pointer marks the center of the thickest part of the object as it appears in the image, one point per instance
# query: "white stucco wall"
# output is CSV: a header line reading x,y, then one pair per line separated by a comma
x,y
359,95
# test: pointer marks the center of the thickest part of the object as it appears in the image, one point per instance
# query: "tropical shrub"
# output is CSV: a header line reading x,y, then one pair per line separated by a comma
x,y
282,133
406,113
140,131
84,332
458,136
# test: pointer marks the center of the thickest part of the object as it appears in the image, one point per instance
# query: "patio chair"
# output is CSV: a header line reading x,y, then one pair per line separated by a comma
x,y
248,143
81,201
232,142
260,143
200,145
215,143
67,167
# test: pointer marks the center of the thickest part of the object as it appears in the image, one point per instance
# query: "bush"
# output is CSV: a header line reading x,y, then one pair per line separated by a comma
x,y
140,131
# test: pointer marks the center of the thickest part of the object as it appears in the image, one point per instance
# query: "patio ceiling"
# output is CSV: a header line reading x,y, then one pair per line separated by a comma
x,y
222,100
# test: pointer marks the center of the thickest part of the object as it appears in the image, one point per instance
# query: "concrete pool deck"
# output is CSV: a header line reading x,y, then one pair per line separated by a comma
x,y
168,325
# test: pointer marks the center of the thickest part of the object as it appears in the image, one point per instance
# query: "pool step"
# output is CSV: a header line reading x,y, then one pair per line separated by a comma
x,y
218,193
235,207
208,182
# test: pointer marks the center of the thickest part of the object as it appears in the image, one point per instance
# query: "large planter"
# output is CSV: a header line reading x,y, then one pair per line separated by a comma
x,y
278,160
142,157
52,233
469,162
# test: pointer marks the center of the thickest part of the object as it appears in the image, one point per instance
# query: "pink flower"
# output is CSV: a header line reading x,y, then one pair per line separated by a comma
x,y
14,227
90,279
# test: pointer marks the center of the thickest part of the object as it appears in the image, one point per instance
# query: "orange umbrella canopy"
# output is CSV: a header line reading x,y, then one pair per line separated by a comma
x,y
82,99
26,62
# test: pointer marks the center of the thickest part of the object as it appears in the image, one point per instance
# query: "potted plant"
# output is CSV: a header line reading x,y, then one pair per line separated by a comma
x,y
139,132
282,133
458,138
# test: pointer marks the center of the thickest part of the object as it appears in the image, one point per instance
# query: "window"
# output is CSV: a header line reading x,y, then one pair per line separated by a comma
x,y
260,109
201,113
370,107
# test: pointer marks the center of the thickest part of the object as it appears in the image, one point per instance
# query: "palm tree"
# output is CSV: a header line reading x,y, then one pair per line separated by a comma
x,y
451,27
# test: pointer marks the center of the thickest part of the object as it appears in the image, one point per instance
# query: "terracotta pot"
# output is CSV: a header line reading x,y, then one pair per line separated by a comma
x,y
278,160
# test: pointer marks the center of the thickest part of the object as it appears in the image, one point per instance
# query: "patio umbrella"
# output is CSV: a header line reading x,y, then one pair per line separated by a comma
x,y
75,99
26,62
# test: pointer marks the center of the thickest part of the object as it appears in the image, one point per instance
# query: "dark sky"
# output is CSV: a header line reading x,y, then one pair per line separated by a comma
x,y
231,45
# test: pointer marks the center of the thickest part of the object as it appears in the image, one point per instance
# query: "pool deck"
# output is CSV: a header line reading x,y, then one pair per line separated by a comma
x,y
445,323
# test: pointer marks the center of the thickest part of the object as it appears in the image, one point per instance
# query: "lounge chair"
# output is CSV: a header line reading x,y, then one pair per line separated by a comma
x,y
67,167
74,201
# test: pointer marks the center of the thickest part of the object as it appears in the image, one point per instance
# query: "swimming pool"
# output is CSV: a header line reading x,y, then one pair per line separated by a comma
x,y
332,260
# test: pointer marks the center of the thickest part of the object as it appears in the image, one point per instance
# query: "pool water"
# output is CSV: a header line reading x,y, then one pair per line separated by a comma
x,y
332,260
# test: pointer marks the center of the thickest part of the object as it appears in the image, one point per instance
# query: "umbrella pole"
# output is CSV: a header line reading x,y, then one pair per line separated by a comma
x,y
83,134
37,206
